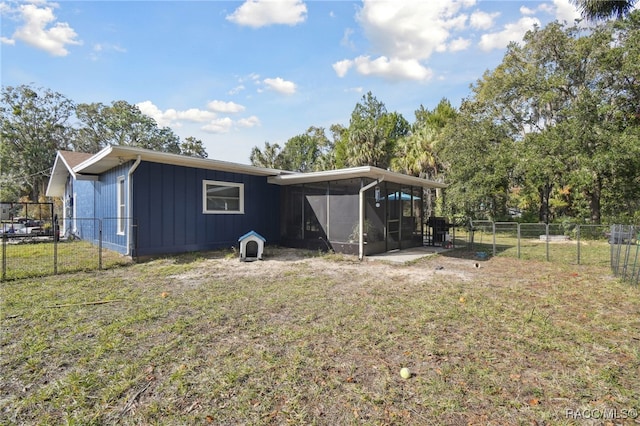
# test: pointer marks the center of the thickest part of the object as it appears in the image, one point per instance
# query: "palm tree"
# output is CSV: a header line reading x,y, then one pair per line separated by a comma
x,y
604,9
366,147
414,154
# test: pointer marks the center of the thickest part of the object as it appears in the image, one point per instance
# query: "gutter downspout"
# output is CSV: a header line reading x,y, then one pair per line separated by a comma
x,y
130,201
361,215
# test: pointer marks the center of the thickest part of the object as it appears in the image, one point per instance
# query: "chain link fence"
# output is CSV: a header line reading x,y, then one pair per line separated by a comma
x,y
75,245
617,246
625,252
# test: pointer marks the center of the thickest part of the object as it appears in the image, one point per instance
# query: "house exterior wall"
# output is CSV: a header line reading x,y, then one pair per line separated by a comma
x,y
168,210
91,206
106,207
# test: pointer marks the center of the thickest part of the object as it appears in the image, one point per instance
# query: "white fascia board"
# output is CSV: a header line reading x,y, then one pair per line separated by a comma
x,y
355,172
113,155
58,178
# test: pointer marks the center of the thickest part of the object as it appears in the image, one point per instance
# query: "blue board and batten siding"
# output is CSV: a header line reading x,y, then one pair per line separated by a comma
x,y
168,210
97,204
107,208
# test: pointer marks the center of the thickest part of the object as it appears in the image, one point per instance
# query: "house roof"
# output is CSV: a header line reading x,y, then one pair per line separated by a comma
x,y
84,166
63,167
115,155
88,166
354,172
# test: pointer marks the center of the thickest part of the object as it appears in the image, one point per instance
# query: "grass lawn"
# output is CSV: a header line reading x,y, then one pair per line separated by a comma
x,y
307,339
37,258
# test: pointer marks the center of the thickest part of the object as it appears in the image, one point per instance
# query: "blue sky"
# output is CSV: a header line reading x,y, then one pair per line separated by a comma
x,y
238,74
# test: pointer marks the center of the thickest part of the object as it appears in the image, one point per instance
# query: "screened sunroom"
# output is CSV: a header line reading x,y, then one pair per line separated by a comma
x,y
362,210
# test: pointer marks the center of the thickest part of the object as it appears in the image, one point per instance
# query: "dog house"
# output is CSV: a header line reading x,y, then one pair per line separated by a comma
x,y
251,246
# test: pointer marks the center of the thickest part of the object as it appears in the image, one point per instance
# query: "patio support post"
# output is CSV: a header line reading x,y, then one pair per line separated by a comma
x,y
130,201
361,215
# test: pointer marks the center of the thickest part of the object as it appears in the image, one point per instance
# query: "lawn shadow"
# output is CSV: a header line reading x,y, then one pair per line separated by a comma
x,y
480,252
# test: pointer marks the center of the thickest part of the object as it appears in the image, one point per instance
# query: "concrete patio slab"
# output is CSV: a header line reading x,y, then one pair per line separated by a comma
x,y
406,255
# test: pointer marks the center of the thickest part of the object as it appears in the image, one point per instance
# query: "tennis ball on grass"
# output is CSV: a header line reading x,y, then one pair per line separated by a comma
x,y
405,373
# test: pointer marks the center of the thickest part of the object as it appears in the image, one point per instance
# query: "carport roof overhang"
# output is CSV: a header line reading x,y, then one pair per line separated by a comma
x,y
370,172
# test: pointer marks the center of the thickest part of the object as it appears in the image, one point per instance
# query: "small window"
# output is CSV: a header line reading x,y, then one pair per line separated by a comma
x,y
122,214
222,197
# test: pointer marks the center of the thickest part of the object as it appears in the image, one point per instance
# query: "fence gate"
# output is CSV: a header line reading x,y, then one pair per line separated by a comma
x,y
625,252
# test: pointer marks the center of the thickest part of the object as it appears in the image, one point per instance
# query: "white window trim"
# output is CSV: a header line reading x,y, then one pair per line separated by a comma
x,y
121,202
220,183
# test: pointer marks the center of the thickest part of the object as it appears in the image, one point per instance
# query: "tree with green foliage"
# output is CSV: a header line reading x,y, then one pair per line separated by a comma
x,y
478,159
307,152
567,100
604,9
436,119
559,93
269,157
193,148
35,123
415,153
121,124
302,153
371,136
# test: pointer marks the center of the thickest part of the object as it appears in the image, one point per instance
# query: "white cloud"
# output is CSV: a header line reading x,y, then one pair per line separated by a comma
x,y
100,48
237,89
226,107
405,33
459,44
561,10
193,114
41,30
565,11
221,125
280,85
103,47
149,108
511,32
346,38
393,68
342,67
210,120
249,122
409,29
172,117
482,20
5,40
260,13
527,11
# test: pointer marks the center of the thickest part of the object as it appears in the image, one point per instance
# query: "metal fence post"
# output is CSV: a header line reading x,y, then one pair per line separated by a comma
x,y
493,224
611,248
578,241
4,257
547,234
627,253
99,244
56,234
518,231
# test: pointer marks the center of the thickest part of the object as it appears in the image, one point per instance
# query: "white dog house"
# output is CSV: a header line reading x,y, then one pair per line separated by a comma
x,y
251,246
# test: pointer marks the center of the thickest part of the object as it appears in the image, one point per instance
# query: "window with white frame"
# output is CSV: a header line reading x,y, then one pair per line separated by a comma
x,y
222,197
122,213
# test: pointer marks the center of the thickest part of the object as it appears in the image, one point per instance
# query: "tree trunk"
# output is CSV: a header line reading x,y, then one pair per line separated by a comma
x,y
543,214
594,200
